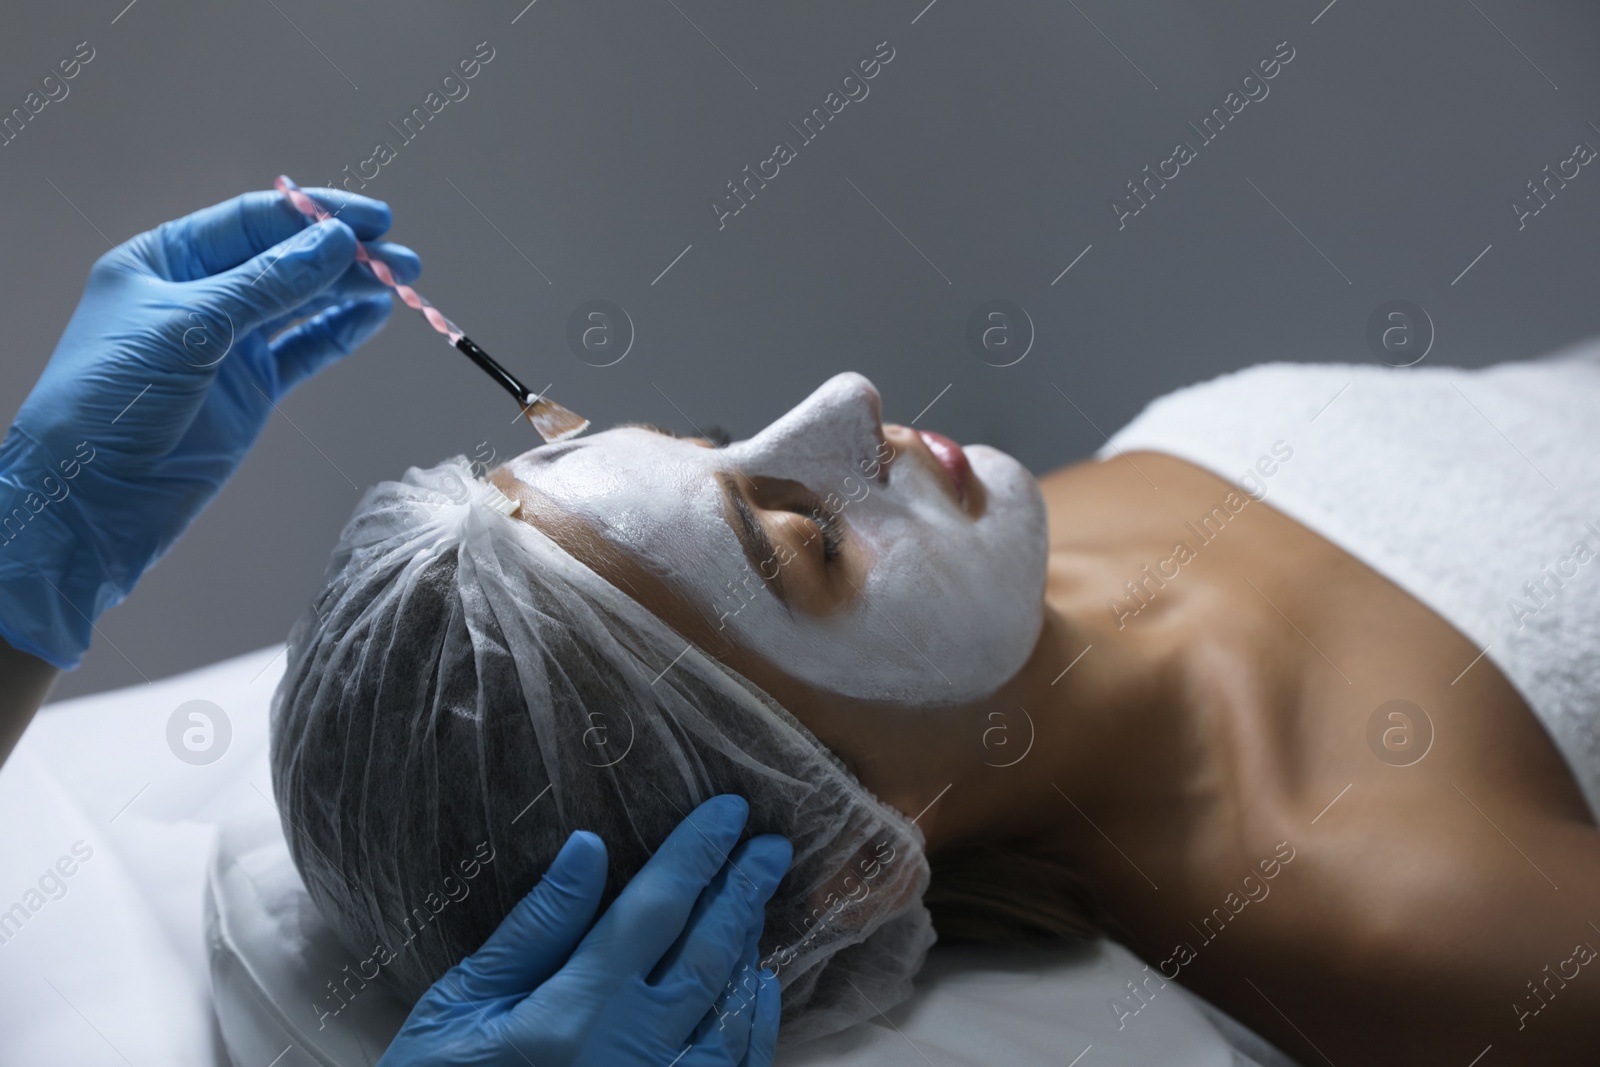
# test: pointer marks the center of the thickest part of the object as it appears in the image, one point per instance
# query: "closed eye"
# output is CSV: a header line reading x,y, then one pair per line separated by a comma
x,y
828,527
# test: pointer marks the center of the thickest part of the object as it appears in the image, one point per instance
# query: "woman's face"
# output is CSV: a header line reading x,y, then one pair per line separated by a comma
x,y
871,561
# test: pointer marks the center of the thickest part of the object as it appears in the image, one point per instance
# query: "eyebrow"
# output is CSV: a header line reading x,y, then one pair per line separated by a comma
x,y
651,427
715,437
752,536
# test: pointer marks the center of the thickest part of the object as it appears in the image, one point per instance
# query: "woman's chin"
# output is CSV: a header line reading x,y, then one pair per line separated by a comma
x,y
1012,496
1013,531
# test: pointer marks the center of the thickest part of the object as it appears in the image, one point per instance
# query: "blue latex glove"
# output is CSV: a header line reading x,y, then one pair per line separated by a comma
x,y
667,976
160,384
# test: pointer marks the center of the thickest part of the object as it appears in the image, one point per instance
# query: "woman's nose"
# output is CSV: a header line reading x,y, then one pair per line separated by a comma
x,y
833,429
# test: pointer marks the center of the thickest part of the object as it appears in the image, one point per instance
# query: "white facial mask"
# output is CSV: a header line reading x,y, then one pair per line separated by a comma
x,y
951,606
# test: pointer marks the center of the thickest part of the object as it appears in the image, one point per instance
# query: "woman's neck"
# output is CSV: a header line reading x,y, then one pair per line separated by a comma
x,y
1063,733
1086,754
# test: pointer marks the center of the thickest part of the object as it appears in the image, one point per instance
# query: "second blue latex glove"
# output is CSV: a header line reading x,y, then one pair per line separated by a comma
x,y
669,975
163,379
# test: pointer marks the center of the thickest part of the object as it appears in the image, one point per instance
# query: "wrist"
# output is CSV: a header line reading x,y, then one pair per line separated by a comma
x,y
53,583
27,683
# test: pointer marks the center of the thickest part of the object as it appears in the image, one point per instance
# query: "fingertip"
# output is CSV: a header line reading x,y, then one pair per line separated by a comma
x,y
582,859
576,877
777,848
332,247
338,231
406,264
770,992
372,312
585,839
329,335
369,216
725,811
353,323
329,245
764,1026
382,215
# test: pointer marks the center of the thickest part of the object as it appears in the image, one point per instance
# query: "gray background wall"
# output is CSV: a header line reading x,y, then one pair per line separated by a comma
x,y
978,168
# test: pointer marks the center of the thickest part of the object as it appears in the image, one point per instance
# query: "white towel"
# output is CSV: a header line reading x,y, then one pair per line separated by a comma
x,y
1476,491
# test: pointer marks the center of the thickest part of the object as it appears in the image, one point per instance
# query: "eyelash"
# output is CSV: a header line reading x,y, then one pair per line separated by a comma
x,y
832,536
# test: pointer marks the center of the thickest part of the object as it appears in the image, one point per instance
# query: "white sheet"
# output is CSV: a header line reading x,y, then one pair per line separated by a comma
x,y
115,971
273,957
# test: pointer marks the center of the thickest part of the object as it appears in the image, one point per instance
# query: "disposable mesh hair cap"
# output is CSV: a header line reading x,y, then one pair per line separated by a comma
x,y
463,694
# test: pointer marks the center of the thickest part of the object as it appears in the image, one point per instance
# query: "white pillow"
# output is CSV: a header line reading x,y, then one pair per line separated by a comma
x,y
273,959
274,963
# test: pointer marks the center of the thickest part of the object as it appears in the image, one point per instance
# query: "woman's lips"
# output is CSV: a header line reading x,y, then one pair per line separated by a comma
x,y
952,459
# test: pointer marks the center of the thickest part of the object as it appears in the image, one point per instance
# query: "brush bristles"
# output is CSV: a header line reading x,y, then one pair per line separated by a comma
x,y
554,422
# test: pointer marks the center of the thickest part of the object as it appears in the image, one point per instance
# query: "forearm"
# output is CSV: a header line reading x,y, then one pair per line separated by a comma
x,y
25,681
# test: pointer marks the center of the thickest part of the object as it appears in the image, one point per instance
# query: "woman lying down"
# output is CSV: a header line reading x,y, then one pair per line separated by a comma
x,y
1293,691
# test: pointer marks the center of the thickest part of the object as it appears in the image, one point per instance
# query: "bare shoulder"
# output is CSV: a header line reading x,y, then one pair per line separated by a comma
x,y
1136,493
1394,865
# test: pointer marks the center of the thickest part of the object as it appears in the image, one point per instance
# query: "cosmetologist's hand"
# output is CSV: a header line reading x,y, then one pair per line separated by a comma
x,y
160,384
669,975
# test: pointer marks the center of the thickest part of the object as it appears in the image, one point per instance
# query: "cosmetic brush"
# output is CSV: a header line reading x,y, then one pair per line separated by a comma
x,y
554,422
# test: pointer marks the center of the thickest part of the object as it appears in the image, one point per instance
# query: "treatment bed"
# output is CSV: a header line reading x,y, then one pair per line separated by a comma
x,y
183,937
